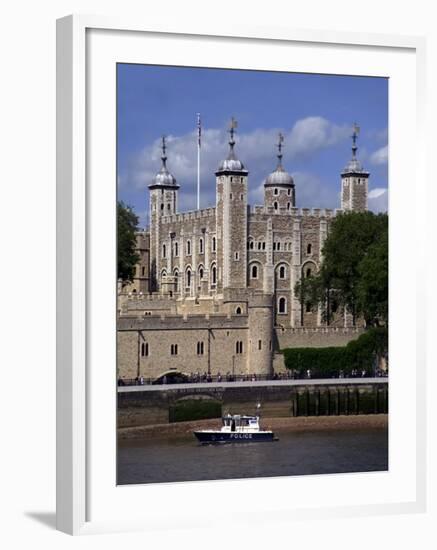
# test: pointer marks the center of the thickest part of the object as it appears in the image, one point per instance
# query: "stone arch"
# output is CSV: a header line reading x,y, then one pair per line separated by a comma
x,y
177,279
213,277
286,266
255,274
309,268
282,305
188,277
200,273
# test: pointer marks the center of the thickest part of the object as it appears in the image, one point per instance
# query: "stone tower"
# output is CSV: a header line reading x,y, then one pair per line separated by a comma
x,y
260,317
279,191
163,202
354,181
231,185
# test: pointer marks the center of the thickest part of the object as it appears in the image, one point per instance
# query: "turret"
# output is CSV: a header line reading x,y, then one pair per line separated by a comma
x,y
354,181
279,191
231,182
163,202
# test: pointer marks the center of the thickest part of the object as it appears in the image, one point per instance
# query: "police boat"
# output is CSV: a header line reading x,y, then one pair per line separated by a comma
x,y
236,429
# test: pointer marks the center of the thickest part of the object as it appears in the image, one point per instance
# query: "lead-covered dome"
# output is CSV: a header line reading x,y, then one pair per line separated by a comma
x,y
232,163
164,178
279,176
354,166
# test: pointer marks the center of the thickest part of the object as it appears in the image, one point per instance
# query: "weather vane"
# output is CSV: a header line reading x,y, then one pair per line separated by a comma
x,y
232,127
280,142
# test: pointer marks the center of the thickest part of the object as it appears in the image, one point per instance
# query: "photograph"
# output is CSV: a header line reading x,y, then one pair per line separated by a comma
x,y
252,274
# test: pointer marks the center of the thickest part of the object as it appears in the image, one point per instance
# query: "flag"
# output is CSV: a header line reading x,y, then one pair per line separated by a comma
x,y
199,130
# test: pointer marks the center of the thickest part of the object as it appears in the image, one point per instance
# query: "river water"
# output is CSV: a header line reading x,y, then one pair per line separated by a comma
x,y
296,453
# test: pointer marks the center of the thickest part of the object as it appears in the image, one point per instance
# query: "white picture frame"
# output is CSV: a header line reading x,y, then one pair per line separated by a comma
x,y
77,234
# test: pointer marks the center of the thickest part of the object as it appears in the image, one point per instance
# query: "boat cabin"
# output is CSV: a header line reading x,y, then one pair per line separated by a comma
x,y
240,423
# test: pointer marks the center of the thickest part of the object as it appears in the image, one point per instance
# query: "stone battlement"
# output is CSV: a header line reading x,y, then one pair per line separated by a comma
x,y
182,322
259,212
321,330
191,215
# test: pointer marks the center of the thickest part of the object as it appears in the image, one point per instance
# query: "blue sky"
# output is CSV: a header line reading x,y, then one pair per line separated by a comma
x,y
314,112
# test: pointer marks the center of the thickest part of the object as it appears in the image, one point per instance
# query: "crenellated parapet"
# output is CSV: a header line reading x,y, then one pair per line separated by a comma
x,y
183,322
189,216
261,213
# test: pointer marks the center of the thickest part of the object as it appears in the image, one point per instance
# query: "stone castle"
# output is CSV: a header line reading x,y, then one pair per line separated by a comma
x,y
214,288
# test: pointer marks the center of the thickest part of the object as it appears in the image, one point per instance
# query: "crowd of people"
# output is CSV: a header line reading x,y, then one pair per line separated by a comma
x,y
198,377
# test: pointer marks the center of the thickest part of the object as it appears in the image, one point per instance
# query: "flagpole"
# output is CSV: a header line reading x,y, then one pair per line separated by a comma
x,y
198,160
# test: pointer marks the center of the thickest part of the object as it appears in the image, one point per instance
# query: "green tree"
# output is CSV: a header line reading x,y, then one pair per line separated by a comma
x,y
372,288
354,271
127,226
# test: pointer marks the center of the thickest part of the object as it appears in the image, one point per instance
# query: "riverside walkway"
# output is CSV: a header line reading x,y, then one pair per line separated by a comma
x,y
255,383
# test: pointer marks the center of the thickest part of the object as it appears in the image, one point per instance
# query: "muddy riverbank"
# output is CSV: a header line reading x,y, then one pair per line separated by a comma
x,y
297,424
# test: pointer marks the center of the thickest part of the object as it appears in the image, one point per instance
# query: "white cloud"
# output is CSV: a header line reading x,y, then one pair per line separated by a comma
x,y
377,192
378,200
312,192
380,156
257,149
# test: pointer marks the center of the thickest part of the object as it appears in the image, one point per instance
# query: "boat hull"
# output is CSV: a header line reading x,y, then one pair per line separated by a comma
x,y
205,437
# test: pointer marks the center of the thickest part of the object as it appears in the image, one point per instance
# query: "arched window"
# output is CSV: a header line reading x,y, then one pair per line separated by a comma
x,y
144,349
254,272
200,273
239,347
188,248
288,206
259,245
289,192
309,248
213,244
176,249
188,278
164,250
251,243
214,275
275,205
162,206
276,191
282,272
238,311
200,246
200,348
282,305
264,245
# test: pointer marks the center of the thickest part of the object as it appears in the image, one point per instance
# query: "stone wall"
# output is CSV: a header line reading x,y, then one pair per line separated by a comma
x,y
203,345
315,337
141,408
